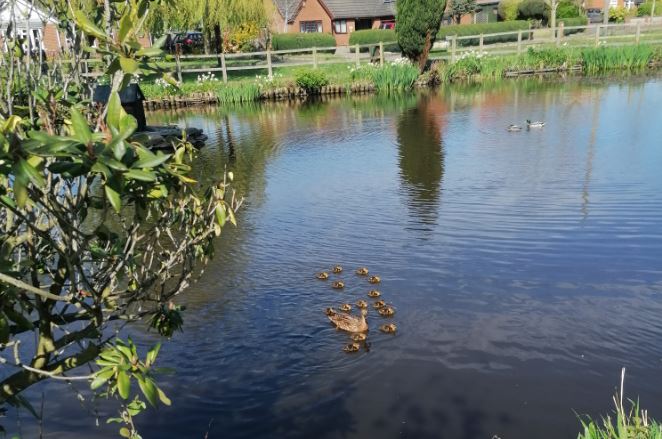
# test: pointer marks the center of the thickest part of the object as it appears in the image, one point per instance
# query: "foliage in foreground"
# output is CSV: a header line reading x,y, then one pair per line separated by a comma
x,y
627,424
95,228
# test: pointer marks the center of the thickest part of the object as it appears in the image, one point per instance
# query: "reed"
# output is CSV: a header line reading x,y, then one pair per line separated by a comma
x,y
601,59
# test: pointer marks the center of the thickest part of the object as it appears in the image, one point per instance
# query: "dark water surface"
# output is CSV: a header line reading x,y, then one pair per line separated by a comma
x,y
525,267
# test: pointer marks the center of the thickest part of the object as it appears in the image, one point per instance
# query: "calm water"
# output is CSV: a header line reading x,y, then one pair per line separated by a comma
x,y
525,267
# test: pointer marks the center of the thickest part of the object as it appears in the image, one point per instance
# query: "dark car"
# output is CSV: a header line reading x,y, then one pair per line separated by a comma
x,y
594,15
191,42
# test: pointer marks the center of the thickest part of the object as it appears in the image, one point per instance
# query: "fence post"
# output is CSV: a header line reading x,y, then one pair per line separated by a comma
x,y
453,47
381,54
269,66
597,35
356,56
559,34
178,51
519,42
638,34
224,68
480,44
314,57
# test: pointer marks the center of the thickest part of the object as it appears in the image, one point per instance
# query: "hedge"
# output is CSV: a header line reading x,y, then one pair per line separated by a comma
x,y
576,21
462,30
372,36
302,41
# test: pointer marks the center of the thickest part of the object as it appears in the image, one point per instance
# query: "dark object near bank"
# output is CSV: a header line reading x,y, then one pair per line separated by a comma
x,y
132,101
594,15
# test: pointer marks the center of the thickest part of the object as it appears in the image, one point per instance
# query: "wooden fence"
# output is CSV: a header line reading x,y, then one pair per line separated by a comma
x,y
502,43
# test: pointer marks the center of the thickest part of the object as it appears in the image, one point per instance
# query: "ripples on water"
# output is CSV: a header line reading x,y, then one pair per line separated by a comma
x,y
525,266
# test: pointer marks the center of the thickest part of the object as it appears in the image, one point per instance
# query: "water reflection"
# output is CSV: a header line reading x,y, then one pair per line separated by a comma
x,y
421,156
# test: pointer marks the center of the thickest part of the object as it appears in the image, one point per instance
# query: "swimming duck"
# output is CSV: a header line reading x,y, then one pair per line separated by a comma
x,y
379,304
337,269
374,293
362,271
352,347
360,336
536,124
322,276
345,307
350,323
362,304
374,279
338,284
330,312
389,328
514,128
386,311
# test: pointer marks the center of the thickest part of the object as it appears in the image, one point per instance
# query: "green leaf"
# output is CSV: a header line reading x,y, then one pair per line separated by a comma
x,y
148,159
88,27
100,168
126,26
68,169
149,390
128,65
119,149
115,112
123,384
152,354
81,129
114,198
220,215
114,164
162,396
136,174
35,176
124,432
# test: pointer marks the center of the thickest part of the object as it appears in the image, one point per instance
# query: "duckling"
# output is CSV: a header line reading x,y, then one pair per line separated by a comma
x,y
330,312
536,124
322,276
374,279
350,323
379,304
359,336
337,269
338,284
362,271
388,328
362,304
352,347
374,293
386,311
345,307
514,128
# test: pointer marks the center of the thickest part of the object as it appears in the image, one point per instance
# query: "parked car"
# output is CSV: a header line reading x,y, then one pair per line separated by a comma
x,y
594,15
387,25
191,42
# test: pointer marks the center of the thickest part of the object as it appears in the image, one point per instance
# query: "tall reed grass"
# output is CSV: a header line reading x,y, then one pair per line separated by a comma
x,y
603,59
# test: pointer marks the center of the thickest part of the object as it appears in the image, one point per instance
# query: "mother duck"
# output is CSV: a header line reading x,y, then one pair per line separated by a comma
x,y
350,323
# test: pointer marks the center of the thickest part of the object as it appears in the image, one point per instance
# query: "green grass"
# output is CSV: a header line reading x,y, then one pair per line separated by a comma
x,y
632,423
629,58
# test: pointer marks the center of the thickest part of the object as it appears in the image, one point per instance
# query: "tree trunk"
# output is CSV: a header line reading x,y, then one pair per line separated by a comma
x,y
218,40
423,58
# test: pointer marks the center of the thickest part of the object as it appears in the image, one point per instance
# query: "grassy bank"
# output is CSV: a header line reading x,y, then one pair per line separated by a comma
x,y
401,75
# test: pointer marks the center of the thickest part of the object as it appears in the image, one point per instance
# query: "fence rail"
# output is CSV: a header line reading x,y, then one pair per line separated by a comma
x,y
498,43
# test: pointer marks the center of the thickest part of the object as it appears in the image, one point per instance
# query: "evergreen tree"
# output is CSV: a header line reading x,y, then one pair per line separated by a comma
x,y
418,24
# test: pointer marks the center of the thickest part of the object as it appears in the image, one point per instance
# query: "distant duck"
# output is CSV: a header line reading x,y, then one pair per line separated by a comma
x,y
322,276
362,271
338,284
359,336
536,124
379,304
345,307
352,347
362,304
337,269
386,311
514,128
374,293
375,279
350,323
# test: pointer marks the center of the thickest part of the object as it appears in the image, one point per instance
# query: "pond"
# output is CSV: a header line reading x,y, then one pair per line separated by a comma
x,y
525,268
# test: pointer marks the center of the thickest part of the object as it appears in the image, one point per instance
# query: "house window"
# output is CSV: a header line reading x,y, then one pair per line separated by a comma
x,y
310,26
340,26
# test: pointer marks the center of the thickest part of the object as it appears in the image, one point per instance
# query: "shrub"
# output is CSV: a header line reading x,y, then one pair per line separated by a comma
x,y
568,9
509,9
618,14
484,28
417,22
534,10
571,22
311,80
372,36
302,41
645,9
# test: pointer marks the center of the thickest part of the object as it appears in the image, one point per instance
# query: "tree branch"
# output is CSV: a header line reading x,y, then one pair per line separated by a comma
x,y
30,289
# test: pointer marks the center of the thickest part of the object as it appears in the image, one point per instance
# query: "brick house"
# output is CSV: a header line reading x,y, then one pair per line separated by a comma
x,y
37,28
337,17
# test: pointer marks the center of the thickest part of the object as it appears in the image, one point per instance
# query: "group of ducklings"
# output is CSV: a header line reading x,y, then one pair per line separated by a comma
x,y
357,326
